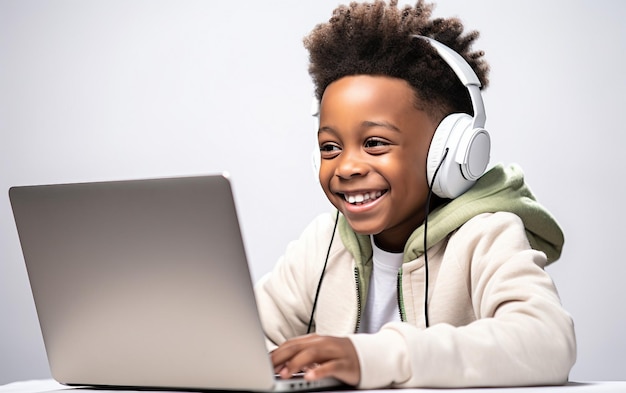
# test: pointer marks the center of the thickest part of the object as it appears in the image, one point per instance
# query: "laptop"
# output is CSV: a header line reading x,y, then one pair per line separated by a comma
x,y
145,284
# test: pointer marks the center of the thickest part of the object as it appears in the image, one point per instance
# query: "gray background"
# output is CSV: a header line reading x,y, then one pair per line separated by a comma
x,y
100,90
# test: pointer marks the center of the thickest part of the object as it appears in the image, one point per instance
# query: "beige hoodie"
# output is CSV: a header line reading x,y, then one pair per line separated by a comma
x,y
495,315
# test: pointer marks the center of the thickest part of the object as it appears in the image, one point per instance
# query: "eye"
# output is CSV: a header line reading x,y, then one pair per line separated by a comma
x,y
329,150
376,145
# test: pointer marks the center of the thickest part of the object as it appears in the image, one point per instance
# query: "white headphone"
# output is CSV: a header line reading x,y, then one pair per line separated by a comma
x,y
467,142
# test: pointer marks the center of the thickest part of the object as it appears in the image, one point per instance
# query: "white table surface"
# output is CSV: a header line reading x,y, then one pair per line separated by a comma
x,y
49,385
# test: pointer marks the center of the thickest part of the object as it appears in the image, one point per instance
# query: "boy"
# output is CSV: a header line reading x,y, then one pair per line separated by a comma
x,y
477,309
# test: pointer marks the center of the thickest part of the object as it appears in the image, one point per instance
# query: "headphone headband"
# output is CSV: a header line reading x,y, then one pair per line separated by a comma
x,y
466,75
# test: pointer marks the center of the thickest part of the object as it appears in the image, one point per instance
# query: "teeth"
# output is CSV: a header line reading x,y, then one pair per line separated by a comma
x,y
360,198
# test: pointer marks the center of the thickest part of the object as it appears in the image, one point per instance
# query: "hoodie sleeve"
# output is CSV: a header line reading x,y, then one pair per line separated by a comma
x,y
520,334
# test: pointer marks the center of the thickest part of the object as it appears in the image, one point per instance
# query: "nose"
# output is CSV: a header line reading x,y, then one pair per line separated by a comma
x,y
351,163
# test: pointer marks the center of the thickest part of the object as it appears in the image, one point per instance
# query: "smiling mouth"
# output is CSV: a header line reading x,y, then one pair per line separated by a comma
x,y
362,198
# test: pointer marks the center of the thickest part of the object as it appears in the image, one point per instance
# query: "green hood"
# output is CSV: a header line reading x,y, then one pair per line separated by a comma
x,y
500,189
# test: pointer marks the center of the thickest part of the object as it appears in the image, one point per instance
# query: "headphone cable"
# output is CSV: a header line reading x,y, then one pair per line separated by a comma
x,y
430,193
319,284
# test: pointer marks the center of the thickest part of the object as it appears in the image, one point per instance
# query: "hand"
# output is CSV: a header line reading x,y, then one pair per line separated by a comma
x,y
318,357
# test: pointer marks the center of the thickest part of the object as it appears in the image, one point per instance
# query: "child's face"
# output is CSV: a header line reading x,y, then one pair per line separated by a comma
x,y
374,144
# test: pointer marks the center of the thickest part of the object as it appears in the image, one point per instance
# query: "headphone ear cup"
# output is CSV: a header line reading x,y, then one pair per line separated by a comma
x,y
316,162
465,161
436,150
316,158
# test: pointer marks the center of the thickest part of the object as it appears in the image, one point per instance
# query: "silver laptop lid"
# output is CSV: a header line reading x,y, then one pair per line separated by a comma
x,y
142,283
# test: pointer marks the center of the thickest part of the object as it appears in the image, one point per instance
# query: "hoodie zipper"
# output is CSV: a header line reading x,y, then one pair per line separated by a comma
x,y
400,297
358,300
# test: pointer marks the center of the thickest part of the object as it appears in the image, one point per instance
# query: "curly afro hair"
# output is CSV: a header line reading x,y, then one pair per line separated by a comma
x,y
375,39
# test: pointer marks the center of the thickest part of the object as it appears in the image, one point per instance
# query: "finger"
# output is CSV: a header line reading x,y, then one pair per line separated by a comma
x,y
290,348
339,369
307,357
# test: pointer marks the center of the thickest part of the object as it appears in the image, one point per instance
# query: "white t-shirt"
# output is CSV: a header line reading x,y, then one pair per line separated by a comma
x,y
382,297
